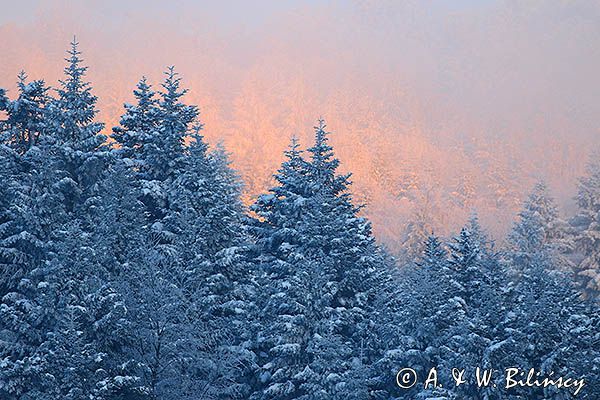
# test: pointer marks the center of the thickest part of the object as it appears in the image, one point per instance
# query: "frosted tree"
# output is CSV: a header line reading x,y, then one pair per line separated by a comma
x,y
208,189
341,243
325,273
416,233
22,245
207,215
28,210
22,241
89,325
539,230
62,318
74,137
138,124
478,234
176,121
425,315
3,100
546,321
75,110
286,326
465,261
116,218
29,213
281,208
191,286
26,115
587,226
474,289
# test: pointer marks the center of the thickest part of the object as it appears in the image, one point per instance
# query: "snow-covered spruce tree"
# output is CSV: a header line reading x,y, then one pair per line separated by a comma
x,y
164,148
580,347
116,220
539,230
548,327
207,190
61,338
26,119
20,241
25,195
62,321
475,291
466,265
322,271
478,235
13,261
587,230
91,328
425,316
547,323
286,320
28,210
74,135
416,233
207,215
153,135
138,124
154,281
194,282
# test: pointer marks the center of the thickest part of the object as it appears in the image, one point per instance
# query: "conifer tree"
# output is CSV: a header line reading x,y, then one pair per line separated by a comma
x,y
317,245
74,135
426,315
475,290
138,124
587,226
62,318
26,119
21,240
539,230
3,100
192,279
415,235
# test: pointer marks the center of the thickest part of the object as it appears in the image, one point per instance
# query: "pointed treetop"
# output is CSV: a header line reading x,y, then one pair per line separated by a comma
x,y
76,106
73,70
293,168
143,87
541,201
198,145
73,86
539,222
172,93
323,163
475,228
465,248
22,80
321,151
145,96
177,116
74,47
293,151
433,251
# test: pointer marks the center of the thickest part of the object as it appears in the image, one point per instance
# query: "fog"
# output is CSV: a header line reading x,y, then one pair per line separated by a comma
x,y
439,108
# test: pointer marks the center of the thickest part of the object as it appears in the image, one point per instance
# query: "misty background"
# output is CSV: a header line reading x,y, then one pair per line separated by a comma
x,y
439,108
